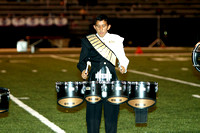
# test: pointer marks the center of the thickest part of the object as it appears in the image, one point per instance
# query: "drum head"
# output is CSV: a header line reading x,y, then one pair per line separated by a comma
x,y
70,102
2,111
141,103
117,100
196,56
142,94
118,93
93,99
69,94
93,92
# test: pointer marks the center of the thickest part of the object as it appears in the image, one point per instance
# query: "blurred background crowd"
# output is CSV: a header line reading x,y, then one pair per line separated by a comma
x,y
61,23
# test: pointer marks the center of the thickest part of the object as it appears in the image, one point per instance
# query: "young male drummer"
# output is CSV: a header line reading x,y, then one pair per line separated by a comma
x,y
102,50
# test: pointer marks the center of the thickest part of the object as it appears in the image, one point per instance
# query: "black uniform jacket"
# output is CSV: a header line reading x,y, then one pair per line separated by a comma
x,y
88,53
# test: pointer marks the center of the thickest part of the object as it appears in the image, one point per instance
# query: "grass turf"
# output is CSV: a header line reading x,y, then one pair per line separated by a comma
x,y
175,111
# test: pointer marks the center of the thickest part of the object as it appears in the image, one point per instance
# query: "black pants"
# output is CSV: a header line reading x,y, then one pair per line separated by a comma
x,y
93,117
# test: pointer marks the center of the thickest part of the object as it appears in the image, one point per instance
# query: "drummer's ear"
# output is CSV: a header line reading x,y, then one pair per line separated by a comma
x,y
109,26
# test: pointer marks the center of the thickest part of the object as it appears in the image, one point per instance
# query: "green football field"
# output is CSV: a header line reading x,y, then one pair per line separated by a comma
x,y
33,105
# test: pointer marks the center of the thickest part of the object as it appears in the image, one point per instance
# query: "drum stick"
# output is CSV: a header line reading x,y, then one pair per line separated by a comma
x,y
88,64
119,66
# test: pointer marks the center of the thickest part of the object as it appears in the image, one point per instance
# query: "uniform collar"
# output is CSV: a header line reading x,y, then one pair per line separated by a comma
x,y
106,35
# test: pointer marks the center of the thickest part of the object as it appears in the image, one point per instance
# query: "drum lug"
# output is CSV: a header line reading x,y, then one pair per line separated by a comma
x,y
124,86
148,88
83,89
156,88
136,87
128,84
66,88
129,89
104,90
57,88
76,88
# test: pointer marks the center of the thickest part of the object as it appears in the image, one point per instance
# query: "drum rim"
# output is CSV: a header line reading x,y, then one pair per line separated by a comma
x,y
70,97
5,89
120,81
66,82
195,64
148,82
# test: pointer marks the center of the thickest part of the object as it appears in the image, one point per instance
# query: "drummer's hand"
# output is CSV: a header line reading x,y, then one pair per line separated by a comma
x,y
84,75
121,69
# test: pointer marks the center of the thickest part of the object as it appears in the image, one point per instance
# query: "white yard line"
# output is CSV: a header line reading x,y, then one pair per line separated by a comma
x,y
37,115
196,96
164,78
64,58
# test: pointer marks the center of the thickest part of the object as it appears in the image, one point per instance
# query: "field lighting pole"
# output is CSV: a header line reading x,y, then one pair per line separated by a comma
x,y
158,41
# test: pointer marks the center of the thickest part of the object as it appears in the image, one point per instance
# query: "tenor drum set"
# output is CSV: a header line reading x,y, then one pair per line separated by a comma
x,y
139,95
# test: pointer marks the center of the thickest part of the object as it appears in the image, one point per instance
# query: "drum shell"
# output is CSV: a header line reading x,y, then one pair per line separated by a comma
x,y
196,56
93,92
117,92
4,99
142,94
69,94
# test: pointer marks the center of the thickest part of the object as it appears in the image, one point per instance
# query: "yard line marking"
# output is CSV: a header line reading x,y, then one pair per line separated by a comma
x,y
184,69
18,61
23,98
3,71
64,70
155,69
171,59
63,58
34,70
196,96
137,72
37,115
165,78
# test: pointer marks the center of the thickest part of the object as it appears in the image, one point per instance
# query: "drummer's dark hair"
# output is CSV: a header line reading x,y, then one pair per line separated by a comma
x,y
102,17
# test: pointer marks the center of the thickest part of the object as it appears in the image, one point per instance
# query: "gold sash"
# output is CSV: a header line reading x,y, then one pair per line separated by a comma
x,y
102,49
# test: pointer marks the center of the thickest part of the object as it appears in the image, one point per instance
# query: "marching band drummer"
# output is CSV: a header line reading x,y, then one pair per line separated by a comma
x,y
102,50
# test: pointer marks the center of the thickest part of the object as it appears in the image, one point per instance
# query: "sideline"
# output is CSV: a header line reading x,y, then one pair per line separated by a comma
x,y
37,115
136,72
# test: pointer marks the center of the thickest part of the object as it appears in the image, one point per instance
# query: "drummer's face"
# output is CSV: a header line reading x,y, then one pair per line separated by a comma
x,y
101,27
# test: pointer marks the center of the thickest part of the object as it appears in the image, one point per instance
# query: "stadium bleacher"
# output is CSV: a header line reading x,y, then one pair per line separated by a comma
x,y
80,13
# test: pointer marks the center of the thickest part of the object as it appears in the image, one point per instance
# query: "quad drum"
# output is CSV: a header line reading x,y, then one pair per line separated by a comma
x,y
118,93
93,91
137,94
4,99
142,94
69,94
